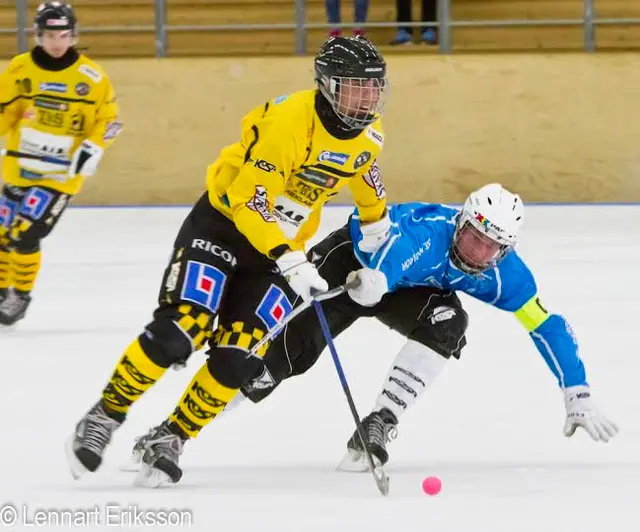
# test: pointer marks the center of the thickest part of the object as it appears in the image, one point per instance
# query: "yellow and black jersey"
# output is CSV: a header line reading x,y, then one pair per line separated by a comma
x,y
274,182
49,113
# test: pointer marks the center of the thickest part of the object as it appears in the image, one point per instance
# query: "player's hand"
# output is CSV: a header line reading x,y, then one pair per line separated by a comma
x,y
373,285
301,275
85,159
374,234
581,412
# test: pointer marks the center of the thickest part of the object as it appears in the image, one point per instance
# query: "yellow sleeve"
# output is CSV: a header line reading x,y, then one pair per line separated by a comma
x,y
532,314
107,127
268,164
10,102
369,194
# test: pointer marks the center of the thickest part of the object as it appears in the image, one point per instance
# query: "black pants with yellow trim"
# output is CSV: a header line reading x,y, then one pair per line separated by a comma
x,y
214,272
411,312
27,215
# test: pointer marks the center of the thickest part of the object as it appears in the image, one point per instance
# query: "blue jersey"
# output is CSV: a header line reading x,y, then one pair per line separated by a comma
x,y
417,254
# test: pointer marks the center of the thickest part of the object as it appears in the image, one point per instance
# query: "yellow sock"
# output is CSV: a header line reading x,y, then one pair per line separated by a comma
x,y
134,375
6,269
25,270
203,400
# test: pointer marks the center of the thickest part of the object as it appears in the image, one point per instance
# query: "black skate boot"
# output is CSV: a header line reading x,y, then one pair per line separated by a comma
x,y
14,307
86,445
162,450
379,428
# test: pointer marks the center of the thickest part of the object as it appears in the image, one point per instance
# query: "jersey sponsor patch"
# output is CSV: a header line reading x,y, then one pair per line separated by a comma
x,y
274,307
376,137
291,215
280,99
82,88
35,203
260,204
92,74
54,105
35,142
53,87
317,178
362,159
203,284
373,178
333,157
112,131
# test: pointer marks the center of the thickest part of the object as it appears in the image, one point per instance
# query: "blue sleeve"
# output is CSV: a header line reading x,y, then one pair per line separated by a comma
x,y
400,257
515,291
559,348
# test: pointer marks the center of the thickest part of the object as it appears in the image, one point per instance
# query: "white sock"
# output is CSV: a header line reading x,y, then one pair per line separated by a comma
x,y
413,371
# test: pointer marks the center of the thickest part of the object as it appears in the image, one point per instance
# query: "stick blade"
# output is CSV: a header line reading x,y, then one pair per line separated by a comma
x,y
382,480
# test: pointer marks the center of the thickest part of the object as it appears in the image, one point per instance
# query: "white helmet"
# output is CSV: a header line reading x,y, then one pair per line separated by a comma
x,y
487,228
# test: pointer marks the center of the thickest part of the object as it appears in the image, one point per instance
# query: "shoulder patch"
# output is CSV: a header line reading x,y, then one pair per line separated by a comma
x,y
375,136
374,180
91,73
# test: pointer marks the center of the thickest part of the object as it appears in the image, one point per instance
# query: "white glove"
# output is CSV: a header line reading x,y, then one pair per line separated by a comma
x,y
581,412
374,234
373,285
301,275
85,159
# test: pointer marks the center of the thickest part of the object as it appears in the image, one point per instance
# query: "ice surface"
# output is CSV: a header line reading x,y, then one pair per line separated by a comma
x,y
490,427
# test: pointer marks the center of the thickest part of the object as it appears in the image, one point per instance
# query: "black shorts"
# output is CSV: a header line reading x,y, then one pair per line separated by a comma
x,y
215,271
28,214
408,311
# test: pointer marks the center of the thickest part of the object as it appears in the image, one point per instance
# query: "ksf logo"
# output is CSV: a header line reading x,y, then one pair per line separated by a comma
x,y
215,250
265,166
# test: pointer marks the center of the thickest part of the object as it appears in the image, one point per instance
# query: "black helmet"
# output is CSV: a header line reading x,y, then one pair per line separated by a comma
x,y
352,75
55,16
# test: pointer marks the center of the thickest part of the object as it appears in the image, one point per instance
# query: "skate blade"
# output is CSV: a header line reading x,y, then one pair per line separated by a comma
x,y
356,462
150,477
133,465
135,462
75,465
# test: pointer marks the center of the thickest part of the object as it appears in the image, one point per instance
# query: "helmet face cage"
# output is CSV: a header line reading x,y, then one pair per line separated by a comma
x,y
357,101
352,76
55,16
475,246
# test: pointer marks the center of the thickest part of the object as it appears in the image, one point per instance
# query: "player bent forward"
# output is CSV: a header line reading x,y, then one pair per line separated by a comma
x,y
409,285
239,253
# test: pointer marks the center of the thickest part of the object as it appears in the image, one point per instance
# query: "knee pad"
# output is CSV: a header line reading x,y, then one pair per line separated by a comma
x,y
175,333
164,343
23,238
443,329
231,367
229,361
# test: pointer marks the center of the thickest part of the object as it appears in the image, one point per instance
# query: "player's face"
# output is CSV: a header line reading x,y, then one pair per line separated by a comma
x,y
360,97
56,43
474,249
